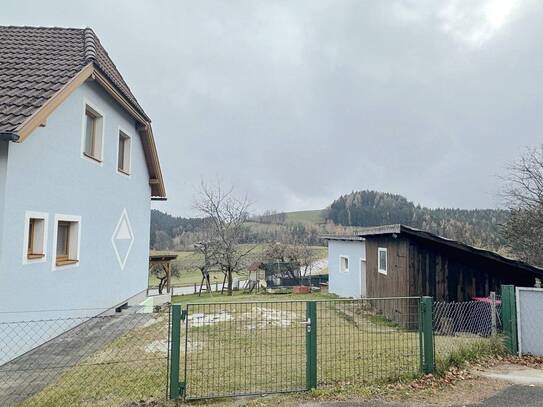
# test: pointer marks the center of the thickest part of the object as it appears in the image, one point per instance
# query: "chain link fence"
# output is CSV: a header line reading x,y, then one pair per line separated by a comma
x,y
75,358
465,325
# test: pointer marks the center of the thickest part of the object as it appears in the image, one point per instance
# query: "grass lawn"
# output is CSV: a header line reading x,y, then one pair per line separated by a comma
x,y
312,217
187,262
253,344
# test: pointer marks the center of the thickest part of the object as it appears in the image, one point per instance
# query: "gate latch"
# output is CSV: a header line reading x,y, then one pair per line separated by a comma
x,y
308,324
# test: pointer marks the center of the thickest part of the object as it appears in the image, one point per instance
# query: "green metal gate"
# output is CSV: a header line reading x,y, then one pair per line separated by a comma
x,y
253,348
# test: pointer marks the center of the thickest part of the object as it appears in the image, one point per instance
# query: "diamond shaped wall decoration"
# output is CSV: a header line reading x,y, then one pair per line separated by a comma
x,y
122,239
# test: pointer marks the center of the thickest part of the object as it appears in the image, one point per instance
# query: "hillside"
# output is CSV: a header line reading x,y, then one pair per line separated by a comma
x,y
478,227
312,217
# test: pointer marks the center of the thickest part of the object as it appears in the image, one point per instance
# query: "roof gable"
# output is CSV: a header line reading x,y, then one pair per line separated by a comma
x,y
39,66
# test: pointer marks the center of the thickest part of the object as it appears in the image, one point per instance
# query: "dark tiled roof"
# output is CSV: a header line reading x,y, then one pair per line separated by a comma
x,y
35,62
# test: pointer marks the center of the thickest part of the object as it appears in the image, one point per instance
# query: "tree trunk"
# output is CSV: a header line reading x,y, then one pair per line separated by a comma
x,y
161,284
229,281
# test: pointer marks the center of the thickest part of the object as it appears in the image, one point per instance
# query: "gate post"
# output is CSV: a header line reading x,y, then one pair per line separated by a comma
x,y
311,345
176,387
509,318
426,321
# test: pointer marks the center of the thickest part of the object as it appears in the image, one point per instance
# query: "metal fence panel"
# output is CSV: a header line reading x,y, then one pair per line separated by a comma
x,y
233,349
367,340
529,320
106,360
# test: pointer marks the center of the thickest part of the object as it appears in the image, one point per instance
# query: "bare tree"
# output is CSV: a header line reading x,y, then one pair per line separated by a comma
x,y
523,195
225,217
207,250
161,274
300,254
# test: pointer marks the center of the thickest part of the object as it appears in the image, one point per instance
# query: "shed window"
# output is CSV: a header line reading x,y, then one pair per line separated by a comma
x,y
93,134
382,259
124,153
343,264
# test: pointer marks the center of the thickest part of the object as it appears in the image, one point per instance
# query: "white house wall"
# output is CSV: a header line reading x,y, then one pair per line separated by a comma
x,y
3,171
47,174
346,284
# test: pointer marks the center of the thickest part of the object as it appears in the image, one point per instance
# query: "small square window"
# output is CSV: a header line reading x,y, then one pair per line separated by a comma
x,y
93,136
382,259
344,264
123,159
67,242
35,235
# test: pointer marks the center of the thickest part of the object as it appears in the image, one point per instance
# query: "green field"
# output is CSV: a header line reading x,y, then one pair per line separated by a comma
x,y
312,217
187,262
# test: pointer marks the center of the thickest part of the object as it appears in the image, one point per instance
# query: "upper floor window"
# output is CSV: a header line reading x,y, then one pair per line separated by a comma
x,y
93,134
124,153
343,264
382,259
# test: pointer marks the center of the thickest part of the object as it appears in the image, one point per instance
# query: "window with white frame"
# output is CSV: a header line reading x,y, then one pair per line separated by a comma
x,y
124,153
93,134
344,264
35,237
382,260
67,239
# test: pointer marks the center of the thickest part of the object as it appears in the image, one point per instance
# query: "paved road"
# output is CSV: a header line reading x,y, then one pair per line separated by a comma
x,y
190,289
516,395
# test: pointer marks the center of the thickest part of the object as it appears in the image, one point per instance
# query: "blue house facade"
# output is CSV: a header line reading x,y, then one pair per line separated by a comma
x,y
78,171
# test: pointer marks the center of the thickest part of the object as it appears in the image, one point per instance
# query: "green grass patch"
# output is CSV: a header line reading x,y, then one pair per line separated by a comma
x,y
456,351
312,216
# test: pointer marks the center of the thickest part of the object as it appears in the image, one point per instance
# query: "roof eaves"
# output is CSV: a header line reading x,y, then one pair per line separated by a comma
x,y
343,237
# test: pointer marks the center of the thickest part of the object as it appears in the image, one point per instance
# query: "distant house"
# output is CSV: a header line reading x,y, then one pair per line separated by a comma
x,y
397,260
78,171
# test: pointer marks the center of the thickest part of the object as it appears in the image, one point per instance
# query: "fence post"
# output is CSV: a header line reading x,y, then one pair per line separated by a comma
x,y
426,320
176,387
311,345
509,318
493,313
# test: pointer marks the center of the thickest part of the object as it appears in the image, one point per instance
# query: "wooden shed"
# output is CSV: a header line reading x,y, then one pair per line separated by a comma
x,y
398,260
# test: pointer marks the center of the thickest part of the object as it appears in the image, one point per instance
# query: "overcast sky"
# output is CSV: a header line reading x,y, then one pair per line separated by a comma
x,y
296,102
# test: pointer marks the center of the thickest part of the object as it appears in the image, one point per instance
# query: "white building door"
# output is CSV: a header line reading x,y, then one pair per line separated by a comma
x,y
363,277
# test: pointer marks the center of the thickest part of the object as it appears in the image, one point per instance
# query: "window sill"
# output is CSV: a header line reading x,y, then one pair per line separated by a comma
x,y
34,256
123,172
61,263
91,157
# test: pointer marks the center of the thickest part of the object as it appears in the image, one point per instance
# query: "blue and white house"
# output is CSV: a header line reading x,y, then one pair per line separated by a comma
x,y
78,171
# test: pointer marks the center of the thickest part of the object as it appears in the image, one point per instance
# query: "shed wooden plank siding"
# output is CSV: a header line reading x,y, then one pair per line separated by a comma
x,y
449,275
419,267
396,282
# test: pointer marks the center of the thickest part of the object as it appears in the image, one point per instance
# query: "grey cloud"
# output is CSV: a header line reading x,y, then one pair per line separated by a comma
x,y
296,102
